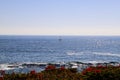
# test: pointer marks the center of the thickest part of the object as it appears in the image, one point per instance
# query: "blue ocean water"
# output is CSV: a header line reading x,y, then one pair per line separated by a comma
x,y
20,49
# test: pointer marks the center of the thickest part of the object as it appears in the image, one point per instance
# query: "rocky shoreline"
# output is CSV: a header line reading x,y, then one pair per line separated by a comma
x,y
26,67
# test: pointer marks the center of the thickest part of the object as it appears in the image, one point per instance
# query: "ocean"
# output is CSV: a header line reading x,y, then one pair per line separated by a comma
x,y
54,49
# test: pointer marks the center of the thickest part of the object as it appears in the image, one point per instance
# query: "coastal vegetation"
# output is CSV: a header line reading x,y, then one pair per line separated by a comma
x,y
52,73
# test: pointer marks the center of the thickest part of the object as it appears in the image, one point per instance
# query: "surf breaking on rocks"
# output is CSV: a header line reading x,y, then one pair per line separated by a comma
x,y
26,67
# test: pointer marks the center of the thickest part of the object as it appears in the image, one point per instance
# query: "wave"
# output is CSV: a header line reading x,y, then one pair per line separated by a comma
x,y
106,54
97,61
71,53
41,65
9,66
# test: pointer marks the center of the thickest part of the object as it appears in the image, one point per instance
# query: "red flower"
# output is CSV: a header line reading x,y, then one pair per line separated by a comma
x,y
50,67
89,69
33,72
83,72
97,71
62,68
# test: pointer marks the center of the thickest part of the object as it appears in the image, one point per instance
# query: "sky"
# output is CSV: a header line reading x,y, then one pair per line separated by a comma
x,y
59,17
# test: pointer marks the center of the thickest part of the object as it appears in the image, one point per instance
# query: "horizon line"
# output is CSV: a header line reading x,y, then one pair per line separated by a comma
x,y
51,35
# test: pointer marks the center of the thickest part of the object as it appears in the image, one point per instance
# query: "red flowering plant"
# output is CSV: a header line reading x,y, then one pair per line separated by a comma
x,y
62,68
102,73
50,67
91,70
33,72
53,73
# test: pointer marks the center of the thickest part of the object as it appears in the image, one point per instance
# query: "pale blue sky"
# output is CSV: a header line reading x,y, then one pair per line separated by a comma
x,y
59,17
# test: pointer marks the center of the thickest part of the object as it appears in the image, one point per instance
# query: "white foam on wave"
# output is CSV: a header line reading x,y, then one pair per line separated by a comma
x,y
94,62
106,54
5,67
70,53
96,53
8,66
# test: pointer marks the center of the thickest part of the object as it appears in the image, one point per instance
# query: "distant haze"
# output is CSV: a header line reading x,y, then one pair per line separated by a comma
x,y
59,17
